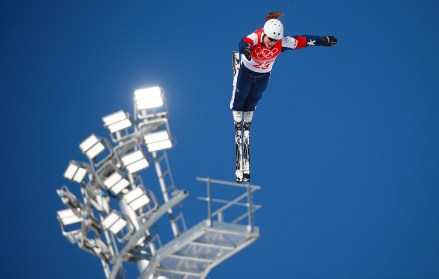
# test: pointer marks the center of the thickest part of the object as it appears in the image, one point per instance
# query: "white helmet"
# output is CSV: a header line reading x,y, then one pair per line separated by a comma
x,y
274,29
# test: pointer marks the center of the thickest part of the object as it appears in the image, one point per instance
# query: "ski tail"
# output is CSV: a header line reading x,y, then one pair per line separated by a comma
x,y
246,152
238,148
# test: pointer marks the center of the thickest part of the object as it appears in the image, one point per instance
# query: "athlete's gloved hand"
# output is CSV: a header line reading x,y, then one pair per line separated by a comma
x,y
329,41
247,51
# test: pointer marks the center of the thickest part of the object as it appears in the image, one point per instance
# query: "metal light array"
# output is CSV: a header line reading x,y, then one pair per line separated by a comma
x,y
111,213
102,227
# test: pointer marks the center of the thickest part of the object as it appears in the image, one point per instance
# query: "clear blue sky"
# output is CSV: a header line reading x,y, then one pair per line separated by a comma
x,y
344,141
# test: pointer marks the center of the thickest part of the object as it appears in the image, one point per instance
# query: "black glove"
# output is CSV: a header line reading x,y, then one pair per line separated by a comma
x,y
247,51
329,41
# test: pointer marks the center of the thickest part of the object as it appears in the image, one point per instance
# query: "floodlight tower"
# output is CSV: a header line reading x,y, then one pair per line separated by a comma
x,y
116,216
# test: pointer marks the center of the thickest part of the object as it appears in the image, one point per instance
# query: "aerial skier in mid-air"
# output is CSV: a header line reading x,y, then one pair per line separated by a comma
x,y
252,69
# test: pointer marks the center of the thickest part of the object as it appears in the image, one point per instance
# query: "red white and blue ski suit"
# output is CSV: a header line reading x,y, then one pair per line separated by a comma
x,y
253,76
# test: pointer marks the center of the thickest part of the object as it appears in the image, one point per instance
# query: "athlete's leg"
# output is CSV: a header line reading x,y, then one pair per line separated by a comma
x,y
258,87
242,84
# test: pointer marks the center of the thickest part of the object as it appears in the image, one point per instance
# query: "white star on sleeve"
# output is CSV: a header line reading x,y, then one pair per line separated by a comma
x,y
311,42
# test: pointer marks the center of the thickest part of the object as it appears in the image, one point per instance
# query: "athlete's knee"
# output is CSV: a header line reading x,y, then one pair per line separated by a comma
x,y
248,116
237,115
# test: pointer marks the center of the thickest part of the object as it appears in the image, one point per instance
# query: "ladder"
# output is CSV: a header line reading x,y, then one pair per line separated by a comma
x,y
167,186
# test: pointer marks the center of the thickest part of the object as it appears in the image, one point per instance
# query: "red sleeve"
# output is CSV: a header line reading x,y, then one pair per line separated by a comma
x,y
301,41
248,40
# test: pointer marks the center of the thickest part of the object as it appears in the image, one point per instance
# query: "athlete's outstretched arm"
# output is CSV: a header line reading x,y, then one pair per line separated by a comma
x,y
302,41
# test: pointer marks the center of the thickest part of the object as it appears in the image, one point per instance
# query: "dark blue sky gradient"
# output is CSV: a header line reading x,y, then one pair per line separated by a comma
x,y
344,141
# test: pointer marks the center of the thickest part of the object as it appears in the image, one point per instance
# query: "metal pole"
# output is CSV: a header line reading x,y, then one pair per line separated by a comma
x,y
250,207
209,203
128,211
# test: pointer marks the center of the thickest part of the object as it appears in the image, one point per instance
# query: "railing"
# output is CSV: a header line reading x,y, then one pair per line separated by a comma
x,y
231,203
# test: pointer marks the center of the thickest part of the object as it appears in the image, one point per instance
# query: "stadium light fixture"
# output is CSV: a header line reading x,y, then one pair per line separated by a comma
x,y
114,223
150,104
148,98
68,217
158,141
75,172
120,125
117,121
92,147
136,198
135,162
116,183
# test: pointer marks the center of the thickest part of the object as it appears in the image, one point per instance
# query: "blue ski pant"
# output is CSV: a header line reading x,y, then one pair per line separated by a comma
x,y
248,89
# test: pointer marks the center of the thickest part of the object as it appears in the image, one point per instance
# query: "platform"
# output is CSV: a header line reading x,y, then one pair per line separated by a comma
x,y
194,253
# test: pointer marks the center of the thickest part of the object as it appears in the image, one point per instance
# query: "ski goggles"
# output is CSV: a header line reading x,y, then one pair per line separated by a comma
x,y
272,40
